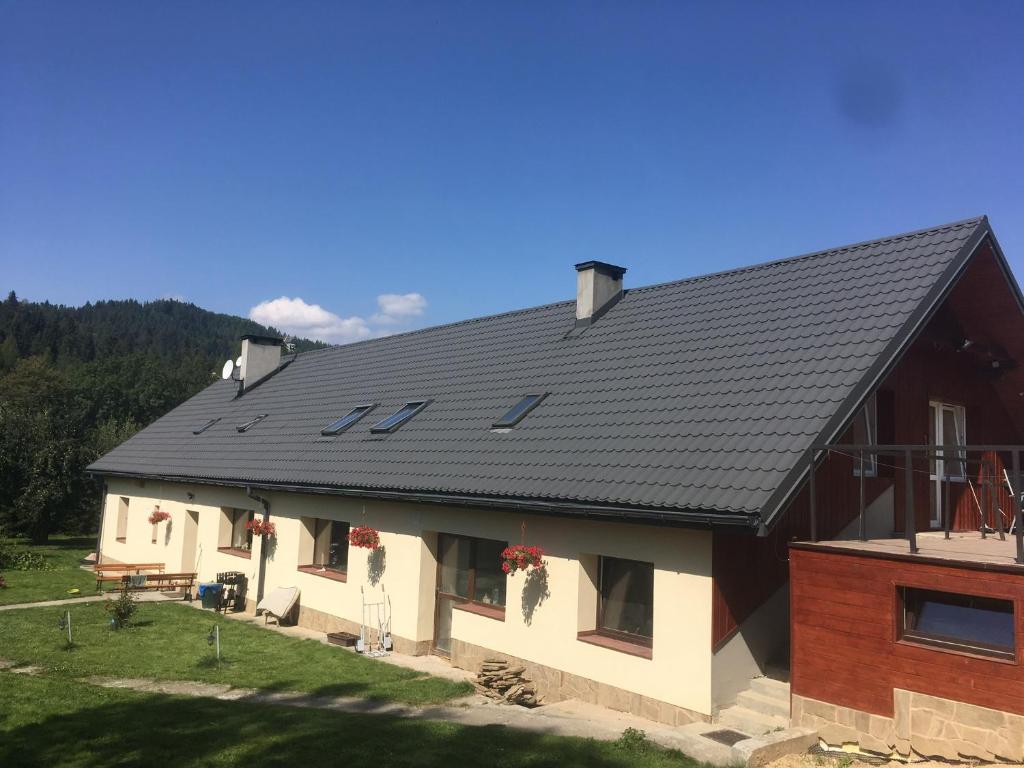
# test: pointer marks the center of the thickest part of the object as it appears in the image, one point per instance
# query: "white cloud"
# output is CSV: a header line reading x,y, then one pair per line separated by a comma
x,y
295,316
399,307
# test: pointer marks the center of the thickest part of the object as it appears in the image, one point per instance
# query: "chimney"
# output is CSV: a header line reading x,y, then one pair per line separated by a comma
x,y
598,287
261,356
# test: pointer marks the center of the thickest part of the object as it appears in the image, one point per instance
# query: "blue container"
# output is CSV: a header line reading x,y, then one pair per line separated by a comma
x,y
209,593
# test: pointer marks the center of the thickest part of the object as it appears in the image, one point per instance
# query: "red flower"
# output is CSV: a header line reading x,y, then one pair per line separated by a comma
x,y
158,516
519,557
364,536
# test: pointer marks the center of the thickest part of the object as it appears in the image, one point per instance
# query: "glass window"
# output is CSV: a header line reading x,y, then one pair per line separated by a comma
x,y
395,420
205,427
330,545
251,423
518,411
627,598
865,432
346,421
122,518
962,622
471,569
947,425
241,536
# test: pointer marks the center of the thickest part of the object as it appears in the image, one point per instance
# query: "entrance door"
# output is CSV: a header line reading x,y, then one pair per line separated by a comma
x,y
190,537
452,587
946,426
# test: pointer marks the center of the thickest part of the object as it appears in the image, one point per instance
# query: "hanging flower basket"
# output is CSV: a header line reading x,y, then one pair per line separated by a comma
x,y
520,557
260,528
364,536
159,516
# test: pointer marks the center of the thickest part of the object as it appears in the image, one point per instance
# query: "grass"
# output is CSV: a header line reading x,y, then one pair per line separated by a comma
x,y
47,722
63,554
168,641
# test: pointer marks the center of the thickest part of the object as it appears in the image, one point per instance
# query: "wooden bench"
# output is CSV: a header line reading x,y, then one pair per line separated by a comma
x,y
161,582
106,572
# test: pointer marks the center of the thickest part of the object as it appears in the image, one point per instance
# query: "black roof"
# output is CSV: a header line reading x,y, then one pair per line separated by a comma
x,y
690,401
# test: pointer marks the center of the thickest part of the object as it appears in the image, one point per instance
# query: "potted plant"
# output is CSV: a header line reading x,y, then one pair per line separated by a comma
x,y
260,528
158,516
364,536
520,557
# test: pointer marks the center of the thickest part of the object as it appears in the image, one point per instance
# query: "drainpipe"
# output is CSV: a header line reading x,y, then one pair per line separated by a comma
x,y
103,516
261,576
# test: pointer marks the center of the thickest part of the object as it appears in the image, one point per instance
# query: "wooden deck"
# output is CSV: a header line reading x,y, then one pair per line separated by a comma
x,y
966,549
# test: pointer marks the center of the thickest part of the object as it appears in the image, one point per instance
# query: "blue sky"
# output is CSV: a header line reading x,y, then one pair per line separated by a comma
x,y
458,158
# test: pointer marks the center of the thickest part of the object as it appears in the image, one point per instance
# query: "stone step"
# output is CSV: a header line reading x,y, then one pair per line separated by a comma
x,y
751,722
766,705
775,689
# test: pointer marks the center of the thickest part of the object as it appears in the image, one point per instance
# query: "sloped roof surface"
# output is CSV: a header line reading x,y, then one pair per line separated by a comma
x,y
694,395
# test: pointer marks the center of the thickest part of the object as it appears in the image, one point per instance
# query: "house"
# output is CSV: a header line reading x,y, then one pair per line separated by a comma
x,y
658,443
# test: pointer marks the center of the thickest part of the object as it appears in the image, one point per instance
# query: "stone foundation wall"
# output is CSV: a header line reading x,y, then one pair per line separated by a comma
x,y
555,685
923,727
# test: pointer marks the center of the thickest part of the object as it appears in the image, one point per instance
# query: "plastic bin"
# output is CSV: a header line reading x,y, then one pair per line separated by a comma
x,y
209,593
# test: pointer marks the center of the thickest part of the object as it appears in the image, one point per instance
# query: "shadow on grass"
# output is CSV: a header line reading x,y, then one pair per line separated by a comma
x,y
74,726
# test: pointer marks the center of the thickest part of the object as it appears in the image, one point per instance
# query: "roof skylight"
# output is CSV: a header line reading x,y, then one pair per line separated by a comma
x,y
346,421
518,411
397,419
205,426
251,423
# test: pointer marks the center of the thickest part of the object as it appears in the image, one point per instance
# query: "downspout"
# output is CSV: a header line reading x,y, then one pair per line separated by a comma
x,y
103,519
261,576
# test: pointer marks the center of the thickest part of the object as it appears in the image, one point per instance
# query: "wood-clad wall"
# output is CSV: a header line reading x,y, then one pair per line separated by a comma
x,y
746,570
844,647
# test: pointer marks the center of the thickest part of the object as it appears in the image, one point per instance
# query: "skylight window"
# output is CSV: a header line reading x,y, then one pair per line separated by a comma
x,y
251,423
205,426
397,419
346,421
518,411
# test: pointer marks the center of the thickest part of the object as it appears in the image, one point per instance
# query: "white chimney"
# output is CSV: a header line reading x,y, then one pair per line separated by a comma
x,y
261,356
598,287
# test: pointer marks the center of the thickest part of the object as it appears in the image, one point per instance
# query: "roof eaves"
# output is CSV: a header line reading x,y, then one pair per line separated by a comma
x,y
642,515
881,368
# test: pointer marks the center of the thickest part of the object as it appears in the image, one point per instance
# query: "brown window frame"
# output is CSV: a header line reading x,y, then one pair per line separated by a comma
x,y
614,634
320,569
230,549
949,643
470,603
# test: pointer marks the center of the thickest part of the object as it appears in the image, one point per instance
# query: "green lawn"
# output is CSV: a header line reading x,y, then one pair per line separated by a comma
x,y
169,642
64,554
49,722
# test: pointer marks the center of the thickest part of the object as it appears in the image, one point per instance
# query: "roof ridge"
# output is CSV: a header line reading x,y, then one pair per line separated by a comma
x,y
653,286
976,220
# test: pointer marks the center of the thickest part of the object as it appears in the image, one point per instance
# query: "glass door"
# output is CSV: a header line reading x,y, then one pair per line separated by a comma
x,y
452,586
946,426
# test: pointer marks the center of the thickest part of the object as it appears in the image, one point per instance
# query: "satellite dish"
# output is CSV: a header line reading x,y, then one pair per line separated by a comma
x,y
238,362
227,370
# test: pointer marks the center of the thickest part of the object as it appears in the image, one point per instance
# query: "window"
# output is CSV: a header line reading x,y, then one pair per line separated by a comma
x,y
518,411
981,625
122,519
235,536
346,421
330,545
205,426
947,425
626,602
395,420
470,569
865,432
251,423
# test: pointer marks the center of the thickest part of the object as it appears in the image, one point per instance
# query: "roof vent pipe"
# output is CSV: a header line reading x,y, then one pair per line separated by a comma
x,y
261,356
598,288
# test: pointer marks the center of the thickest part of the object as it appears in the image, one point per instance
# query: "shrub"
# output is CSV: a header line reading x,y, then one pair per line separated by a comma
x,y
15,558
634,741
123,608
3,582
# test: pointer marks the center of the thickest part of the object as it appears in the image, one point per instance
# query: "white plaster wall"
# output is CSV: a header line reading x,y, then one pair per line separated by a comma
x,y
679,672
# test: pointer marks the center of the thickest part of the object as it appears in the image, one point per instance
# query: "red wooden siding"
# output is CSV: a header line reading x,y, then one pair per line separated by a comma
x,y
746,571
844,649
